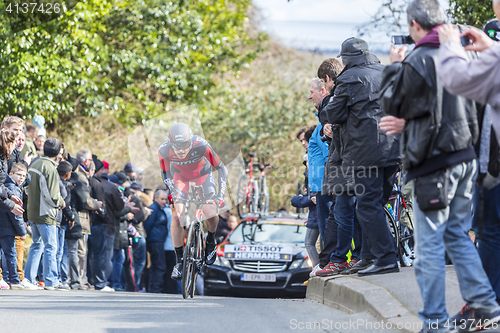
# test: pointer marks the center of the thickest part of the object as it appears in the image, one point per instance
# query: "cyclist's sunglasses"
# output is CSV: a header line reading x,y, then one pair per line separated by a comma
x,y
181,145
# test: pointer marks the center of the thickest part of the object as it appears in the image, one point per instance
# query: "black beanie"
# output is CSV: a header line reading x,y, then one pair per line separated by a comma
x,y
52,147
98,163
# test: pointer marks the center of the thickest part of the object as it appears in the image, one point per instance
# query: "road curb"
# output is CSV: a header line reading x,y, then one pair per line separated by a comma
x,y
353,295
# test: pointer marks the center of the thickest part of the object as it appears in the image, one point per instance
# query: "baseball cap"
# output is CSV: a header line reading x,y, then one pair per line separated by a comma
x,y
492,29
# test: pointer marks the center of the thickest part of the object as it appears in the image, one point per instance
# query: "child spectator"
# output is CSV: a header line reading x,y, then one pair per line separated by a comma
x,y
8,201
13,225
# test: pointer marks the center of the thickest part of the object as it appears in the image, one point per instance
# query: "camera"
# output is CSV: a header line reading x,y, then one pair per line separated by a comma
x,y
398,40
464,40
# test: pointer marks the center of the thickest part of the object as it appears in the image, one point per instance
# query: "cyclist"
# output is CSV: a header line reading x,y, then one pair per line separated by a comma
x,y
185,158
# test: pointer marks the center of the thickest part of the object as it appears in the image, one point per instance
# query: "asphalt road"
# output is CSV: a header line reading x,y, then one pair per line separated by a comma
x,y
93,311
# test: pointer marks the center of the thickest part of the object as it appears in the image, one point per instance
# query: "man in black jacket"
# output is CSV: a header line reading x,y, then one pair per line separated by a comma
x,y
341,227
438,139
99,231
369,156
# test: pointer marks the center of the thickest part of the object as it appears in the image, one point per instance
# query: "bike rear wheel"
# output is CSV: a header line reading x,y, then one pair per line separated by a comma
x,y
393,228
189,269
406,241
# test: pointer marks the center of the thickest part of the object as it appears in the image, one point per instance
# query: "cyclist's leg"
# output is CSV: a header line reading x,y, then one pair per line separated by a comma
x,y
178,220
176,229
209,210
212,219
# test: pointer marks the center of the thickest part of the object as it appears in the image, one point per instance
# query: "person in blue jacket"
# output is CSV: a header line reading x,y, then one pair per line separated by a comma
x,y
12,225
156,227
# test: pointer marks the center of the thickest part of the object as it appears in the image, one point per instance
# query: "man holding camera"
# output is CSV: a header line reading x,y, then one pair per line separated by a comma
x,y
438,135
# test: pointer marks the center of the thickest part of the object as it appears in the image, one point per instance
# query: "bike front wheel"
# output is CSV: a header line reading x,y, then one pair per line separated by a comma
x,y
189,269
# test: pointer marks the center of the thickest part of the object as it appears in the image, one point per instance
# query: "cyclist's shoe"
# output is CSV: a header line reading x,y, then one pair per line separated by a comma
x,y
210,253
177,272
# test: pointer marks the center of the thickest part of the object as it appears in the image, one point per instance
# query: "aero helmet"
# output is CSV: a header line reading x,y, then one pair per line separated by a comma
x,y
180,136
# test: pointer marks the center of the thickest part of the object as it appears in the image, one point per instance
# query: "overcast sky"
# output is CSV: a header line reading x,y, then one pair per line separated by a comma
x,y
321,24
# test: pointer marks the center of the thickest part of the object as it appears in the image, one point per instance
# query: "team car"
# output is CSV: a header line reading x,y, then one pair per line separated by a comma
x,y
262,256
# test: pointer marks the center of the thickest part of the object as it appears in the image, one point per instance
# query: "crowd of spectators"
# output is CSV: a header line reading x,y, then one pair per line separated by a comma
x,y
432,116
87,228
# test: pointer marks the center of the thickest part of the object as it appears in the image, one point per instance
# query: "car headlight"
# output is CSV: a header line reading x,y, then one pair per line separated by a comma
x,y
302,263
221,261
307,263
296,263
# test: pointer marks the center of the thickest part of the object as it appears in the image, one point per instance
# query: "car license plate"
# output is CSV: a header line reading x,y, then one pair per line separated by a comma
x,y
258,277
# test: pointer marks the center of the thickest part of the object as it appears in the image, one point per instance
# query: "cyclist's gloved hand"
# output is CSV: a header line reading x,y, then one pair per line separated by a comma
x,y
173,197
220,202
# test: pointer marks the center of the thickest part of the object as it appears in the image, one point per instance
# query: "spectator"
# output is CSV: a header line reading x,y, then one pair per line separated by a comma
x,y
39,121
151,195
113,205
480,83
105,168
372,163
11,226
232,222
84,157
15,126
130,171
300,137
169,284
439,131
121,240
312,231
99,230
156,227
31,134
8,201
39,144
42,212
65,217
139,244
317,154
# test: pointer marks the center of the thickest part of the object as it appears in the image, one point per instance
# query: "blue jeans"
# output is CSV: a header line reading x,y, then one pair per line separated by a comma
x,y
323,203
139,262
344,212
44,240
8,245
65,264
116,274
110,240
448,228
98,241
60,250
158,266
489,237
310,244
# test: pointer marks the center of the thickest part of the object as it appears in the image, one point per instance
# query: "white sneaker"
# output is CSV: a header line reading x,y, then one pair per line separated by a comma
x,y
30,286
4,285
17,286
61,287
314,270
107,289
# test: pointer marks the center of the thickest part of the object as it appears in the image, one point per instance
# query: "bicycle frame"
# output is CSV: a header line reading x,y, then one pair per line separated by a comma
x,y
194,249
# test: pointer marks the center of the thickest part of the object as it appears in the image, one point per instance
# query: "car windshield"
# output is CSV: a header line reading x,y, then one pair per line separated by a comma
x,y
268,233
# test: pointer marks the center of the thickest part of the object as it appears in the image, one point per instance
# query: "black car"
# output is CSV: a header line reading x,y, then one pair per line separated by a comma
x,y
262,256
